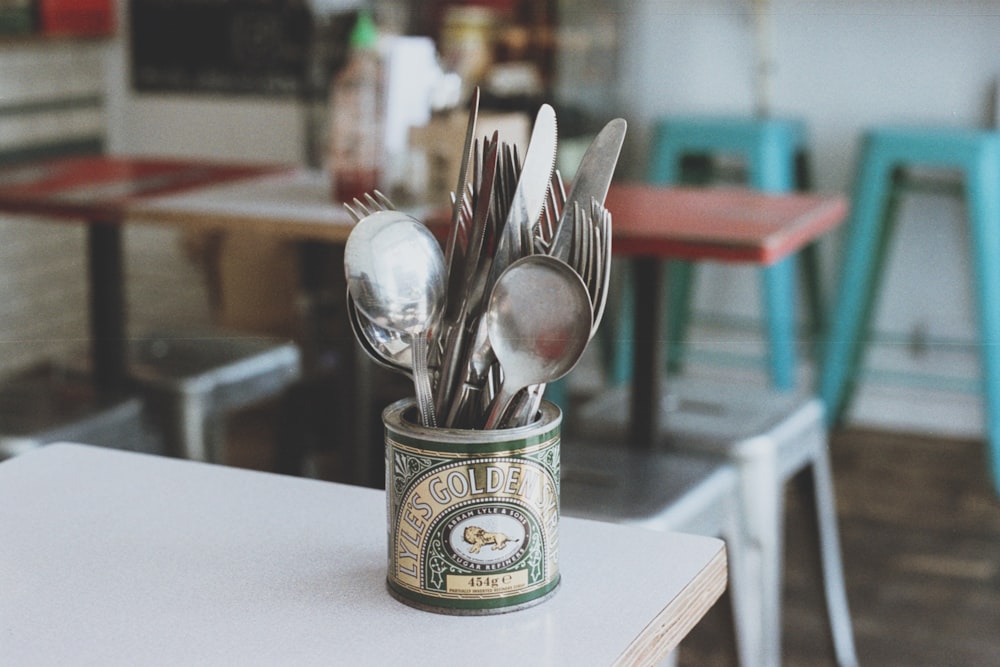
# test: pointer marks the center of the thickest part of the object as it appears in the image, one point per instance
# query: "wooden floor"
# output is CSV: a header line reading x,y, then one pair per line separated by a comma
x,y
920,530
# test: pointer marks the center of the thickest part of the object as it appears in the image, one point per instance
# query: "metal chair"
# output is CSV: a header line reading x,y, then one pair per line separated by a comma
x,y
192,379
46,404
670,492
768,437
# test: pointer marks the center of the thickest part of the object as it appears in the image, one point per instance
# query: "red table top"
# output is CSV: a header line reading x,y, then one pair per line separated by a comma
x,y
102,187
728,224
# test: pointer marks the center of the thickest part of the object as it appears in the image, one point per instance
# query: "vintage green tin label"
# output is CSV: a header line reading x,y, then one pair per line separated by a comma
x,y
473,526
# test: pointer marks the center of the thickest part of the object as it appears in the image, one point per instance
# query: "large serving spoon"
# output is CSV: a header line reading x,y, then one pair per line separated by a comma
x,y
396,274
538,320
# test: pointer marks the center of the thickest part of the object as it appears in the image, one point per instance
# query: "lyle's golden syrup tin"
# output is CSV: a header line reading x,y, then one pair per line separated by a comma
x,y
473,516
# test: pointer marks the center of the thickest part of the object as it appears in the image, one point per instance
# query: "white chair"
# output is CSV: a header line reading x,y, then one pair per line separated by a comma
x,y
48,403
663,491
768,437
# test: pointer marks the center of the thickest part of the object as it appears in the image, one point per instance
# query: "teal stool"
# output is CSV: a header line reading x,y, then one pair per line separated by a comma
x,y
772,152
884,155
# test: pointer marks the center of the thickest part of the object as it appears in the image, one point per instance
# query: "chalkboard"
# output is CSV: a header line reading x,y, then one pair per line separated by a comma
x,y
262,47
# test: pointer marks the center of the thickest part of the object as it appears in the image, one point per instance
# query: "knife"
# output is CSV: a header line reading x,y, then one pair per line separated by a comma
x,y
525,208
453,253
592,180
455,342
530,192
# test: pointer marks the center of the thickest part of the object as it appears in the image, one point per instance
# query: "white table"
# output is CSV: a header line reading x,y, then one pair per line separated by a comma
x,y
116,558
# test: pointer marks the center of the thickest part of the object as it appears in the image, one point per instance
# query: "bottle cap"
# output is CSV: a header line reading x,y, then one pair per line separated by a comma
x,y
365,34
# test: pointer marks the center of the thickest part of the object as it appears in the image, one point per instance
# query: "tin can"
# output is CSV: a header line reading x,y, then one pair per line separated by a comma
x,y
473,515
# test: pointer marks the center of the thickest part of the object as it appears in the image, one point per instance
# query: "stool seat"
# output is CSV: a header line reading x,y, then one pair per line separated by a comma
x,y
669,492
769,147
885,153
930,146
191,379
768,437
46,404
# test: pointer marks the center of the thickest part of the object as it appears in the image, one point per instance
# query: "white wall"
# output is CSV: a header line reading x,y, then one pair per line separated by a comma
x,y
47,96
842,65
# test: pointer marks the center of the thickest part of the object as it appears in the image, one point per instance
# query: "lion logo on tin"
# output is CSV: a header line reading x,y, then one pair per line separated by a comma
x,y
480,538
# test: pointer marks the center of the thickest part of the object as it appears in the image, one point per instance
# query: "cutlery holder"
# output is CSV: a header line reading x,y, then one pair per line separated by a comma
x,y
473,515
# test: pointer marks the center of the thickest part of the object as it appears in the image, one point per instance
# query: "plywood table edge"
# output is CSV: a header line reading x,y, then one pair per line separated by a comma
x,y
665,632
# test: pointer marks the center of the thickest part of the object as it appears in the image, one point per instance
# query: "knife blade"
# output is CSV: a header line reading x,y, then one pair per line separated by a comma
x,y
592,180
455,342
530,192
453,259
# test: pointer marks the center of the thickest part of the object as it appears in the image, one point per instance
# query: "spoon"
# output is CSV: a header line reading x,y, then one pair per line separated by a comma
x,y
396,275
538,321
385,347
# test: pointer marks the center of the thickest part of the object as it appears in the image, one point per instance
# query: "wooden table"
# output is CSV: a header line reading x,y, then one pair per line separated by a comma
x,y
116,558
654,223
97,191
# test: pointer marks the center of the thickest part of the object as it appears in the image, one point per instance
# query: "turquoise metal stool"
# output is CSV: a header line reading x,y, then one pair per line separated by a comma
x,y
772,151
884,155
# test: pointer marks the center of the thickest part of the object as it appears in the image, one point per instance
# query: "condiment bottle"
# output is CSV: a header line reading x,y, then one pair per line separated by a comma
x,y
356,116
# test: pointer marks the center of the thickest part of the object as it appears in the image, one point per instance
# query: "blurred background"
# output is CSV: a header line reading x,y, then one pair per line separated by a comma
x,y
249,79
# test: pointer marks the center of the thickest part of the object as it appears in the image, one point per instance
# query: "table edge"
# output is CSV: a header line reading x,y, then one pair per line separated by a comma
x,y
666,631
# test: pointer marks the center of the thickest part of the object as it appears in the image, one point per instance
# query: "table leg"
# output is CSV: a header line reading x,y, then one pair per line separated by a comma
x,y
649,352
107,305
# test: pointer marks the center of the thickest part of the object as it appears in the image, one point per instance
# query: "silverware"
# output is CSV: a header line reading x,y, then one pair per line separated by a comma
x,y
529,194
538,321
590,253
396,274
592,179
456,341
517,293
387,348
454,252
528,184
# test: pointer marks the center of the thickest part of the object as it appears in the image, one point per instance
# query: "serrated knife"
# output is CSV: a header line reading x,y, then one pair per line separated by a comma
x,y
592,180
530,192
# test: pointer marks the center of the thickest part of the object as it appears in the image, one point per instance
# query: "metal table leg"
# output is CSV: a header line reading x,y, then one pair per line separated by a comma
x,y
107,305
648,359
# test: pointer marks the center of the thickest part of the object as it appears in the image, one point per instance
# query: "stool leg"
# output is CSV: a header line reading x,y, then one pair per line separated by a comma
x,y
810,275
779,288
857,278
680,278
984,217
214,435
743,588
762,495
868,299
616,330
837,609
693,170
671,659
191,421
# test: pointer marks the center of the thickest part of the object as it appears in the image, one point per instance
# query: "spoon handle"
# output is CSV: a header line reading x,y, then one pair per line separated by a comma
x,y
422,380
524,407
499,406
